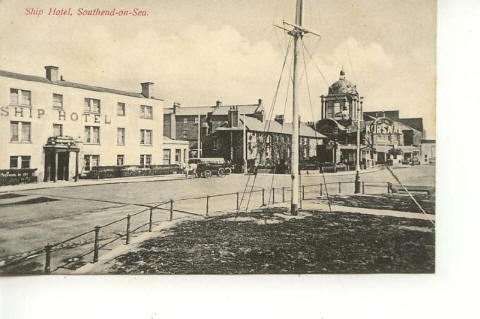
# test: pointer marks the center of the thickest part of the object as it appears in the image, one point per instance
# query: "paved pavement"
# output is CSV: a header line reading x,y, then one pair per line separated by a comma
x,y
32,218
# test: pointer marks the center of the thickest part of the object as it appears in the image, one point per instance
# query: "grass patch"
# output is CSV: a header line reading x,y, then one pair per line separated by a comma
x,y
10,195
386,201
36,200
318,242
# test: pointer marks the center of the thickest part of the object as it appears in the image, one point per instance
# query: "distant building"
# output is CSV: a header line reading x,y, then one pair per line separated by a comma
x,y
194,123
384,136
428,152
266,143
175,152
62,129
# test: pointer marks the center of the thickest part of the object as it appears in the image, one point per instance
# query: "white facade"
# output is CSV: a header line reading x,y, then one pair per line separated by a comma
x,y
175,152
95,131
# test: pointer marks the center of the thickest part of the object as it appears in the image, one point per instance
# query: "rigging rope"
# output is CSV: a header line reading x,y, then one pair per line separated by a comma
x,y
313,118
266,126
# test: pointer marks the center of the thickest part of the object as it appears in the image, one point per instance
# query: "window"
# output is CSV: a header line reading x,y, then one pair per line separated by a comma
x,y
16,94
57,129
145,160
57,101
146,112
120,109
14,131
20,131
120,160
92,106
166,157
13,161
121,136
196,119
178,155
146,137
92,134
185,120
24,161
90,161
13,97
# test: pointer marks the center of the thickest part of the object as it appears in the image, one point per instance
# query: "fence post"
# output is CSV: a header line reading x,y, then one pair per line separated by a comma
x,y
127,240
273,195
171,209
150,220
263,196
303,192
48,250
283,194
321,189
363,187
388,187
206,212
95,244
238,199
339,187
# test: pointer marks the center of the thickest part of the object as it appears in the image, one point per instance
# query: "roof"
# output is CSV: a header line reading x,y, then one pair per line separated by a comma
x,y
254,124
34,78
329,120
242,109
393,115
342,86
192,110
416,123
168,140
215,110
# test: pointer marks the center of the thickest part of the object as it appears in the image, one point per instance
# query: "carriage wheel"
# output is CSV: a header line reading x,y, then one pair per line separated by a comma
x,y
207,174
228,171
221,172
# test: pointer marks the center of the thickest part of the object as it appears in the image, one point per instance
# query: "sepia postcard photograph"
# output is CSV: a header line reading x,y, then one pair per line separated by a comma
x,y
218,137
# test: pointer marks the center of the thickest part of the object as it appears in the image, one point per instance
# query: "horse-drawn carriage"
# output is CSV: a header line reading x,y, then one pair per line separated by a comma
x,y
207,167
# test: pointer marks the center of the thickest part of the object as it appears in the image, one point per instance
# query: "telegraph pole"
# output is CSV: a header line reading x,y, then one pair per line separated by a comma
x,y
296,31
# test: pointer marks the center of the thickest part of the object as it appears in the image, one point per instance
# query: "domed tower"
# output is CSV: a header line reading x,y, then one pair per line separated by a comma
x,y
343,103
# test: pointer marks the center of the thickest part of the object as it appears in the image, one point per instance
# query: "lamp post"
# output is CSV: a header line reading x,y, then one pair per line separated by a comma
x,y
357,175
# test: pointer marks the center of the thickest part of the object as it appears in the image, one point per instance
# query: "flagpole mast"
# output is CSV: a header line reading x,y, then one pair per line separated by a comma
x,y
296,31
297,34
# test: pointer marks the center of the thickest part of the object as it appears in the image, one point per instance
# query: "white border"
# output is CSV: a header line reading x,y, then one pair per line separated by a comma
x,y
449,293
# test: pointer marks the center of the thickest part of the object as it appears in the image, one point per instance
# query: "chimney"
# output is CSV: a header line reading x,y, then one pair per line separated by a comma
x,y
233,116
51,72
175,106
218,104
279,119
147,89
260,102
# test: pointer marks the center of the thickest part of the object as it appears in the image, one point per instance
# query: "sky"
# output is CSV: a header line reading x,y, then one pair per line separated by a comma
x,y
200,51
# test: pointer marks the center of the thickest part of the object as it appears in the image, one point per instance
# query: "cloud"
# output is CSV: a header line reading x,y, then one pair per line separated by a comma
x,y
196,65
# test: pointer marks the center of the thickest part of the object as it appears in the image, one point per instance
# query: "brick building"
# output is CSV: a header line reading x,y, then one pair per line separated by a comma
x,y
260,142
194,123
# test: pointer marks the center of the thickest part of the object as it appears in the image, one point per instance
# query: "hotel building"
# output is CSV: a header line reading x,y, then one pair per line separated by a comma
x,y
63,129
